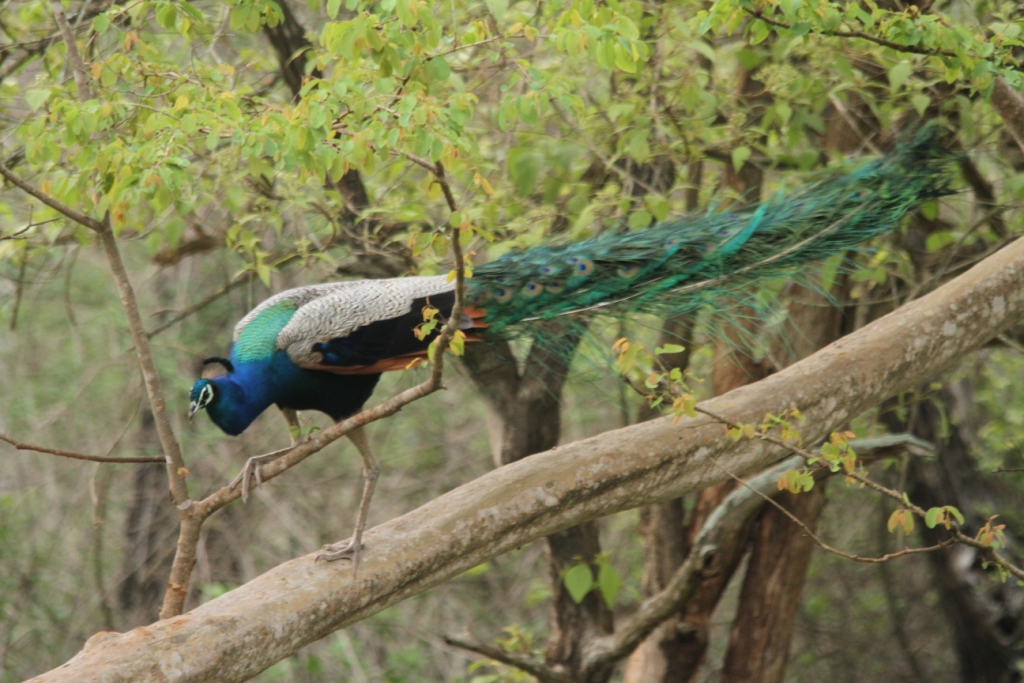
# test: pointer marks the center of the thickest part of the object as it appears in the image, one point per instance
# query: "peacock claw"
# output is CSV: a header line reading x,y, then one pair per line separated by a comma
x,y
342,550
252,470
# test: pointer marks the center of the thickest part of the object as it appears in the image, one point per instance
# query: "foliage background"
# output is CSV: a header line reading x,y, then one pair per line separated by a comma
x,y
552,119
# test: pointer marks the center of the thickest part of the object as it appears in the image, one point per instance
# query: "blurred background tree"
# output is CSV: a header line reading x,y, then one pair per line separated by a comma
x,y
231,150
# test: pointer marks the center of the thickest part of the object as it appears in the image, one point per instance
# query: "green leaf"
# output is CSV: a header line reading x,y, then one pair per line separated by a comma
x,y
930,210
263,271
438,69
789,7
626,28
101,23
524,166
899,74
478,570
739,157
498,8
931,518
579,581
36,97
937,240
758,31
624,59
955,511
609,582
639,219
166,16
406,12
659,206
920,102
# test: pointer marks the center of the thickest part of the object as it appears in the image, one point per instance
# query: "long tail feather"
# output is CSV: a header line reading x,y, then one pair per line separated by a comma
x,y
672,268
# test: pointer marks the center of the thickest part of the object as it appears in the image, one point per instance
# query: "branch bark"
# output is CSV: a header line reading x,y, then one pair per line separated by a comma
x,y
1010,106
246,630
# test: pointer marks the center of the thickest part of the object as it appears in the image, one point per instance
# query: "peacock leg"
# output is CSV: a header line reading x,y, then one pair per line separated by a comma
x,y
371,470
294,426
252,465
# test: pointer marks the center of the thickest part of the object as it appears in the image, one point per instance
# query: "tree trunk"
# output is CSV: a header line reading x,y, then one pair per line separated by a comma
x,y
763,627
770,598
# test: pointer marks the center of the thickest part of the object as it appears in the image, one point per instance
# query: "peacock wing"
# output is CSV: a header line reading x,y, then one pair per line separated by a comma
x,y
255,336
365,326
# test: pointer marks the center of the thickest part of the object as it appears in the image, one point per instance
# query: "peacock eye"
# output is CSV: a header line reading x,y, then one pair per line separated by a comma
x,y
533,289
547,270
502,294
205,396
581,266
628,271
555,287
671,243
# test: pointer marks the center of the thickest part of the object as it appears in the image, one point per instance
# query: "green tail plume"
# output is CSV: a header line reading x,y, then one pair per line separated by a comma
x,y
673,268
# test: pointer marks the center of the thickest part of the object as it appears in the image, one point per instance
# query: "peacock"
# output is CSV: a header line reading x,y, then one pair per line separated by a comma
x,y
325,346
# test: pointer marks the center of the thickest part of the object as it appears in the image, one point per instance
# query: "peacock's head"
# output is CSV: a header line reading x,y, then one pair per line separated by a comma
x,y
206,391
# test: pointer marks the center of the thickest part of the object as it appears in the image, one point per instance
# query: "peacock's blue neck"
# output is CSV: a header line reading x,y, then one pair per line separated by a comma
x,y
253,387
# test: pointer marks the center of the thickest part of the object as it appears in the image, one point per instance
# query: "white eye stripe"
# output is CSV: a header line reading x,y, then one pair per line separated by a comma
x,y
205,396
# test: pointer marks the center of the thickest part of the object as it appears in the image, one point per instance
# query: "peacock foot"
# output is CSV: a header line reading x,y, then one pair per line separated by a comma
x,y
251,471
349,549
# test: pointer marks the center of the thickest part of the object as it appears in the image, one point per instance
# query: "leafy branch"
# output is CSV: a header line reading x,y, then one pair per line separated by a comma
x,y
984,541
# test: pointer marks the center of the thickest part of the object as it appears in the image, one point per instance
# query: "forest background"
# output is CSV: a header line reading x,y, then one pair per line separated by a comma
x,y
208,154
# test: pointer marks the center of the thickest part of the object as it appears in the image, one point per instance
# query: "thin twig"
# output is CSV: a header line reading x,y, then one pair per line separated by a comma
x,y
957,535
539,670
21,446
198,306
74,56
759,14
56,205
820,543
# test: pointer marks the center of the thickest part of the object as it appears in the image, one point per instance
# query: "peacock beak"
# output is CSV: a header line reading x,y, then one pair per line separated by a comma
x,y
193,408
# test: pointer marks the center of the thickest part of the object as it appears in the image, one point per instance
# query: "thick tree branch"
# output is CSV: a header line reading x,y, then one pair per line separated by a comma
x,y
246,630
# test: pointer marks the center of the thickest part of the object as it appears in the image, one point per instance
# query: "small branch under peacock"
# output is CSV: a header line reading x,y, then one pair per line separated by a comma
x,y
324,347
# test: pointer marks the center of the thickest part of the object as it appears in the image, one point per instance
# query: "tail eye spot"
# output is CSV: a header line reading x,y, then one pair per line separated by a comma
x,y
501,294
584,266
533,289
